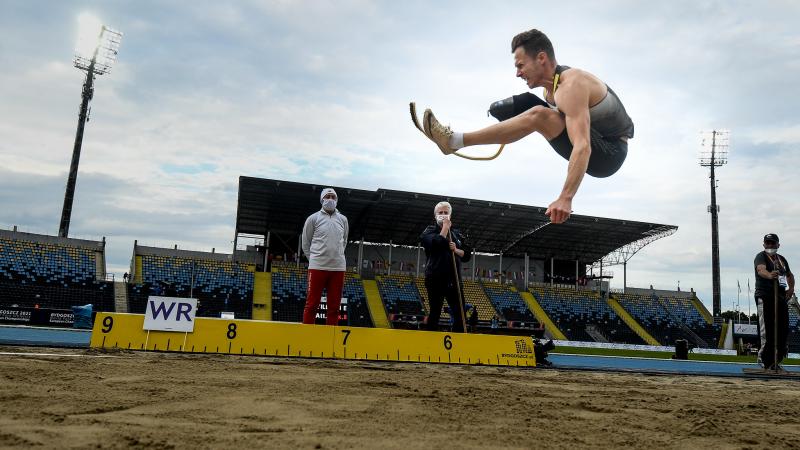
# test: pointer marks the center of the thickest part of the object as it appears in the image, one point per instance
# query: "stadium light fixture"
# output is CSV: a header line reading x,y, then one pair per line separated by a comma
x,y
714,153
89,29
97,46
95,53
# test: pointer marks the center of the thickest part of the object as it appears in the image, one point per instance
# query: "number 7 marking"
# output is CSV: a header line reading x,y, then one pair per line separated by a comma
x,y
346,335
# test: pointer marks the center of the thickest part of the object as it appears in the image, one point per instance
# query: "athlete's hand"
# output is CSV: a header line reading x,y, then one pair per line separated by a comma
x,y
559,210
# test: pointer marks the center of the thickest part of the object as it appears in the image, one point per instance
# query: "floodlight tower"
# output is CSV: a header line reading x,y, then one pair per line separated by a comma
x,y
95,53
714,153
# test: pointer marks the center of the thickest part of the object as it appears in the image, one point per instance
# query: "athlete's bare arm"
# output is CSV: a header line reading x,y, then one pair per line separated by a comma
x,y
572,99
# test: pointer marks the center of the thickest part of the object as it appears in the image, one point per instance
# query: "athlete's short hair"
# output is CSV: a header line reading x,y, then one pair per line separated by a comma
x,y
533,41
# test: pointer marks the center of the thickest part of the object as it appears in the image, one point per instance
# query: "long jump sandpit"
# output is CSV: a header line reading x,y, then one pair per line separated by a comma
x,y
75,398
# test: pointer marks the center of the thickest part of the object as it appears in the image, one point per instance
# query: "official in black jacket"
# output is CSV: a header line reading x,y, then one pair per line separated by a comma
x,y
440,242
773,270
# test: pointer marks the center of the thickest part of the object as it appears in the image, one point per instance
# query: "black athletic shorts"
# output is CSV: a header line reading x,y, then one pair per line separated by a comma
x,y
607,154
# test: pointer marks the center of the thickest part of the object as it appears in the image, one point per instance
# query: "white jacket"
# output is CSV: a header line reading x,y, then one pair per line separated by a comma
x,y
324,240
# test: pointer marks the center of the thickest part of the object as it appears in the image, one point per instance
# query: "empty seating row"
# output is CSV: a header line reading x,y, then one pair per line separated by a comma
x,y
794,331
289,287
652,314
475,295
45,263
574,310
218,285
51,275
683,310
508,303
400,295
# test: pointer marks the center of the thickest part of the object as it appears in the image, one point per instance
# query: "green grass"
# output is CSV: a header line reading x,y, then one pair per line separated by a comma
x,y
661,355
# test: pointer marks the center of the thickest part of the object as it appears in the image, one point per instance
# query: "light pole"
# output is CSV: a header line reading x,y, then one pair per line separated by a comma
x,y
95,53
714,153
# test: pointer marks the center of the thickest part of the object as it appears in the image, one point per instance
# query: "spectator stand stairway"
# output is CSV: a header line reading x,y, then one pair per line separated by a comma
x,y
551,330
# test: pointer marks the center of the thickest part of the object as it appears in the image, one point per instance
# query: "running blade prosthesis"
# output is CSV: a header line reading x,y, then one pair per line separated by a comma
x,y
440,135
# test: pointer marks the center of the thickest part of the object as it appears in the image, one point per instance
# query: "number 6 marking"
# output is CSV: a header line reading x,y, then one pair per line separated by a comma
x,y
448,344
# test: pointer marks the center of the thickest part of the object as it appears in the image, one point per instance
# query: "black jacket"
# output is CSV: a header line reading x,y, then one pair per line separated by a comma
x,y
437,250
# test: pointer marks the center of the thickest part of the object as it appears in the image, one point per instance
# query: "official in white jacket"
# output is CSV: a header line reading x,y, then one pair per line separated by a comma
x,y
324,240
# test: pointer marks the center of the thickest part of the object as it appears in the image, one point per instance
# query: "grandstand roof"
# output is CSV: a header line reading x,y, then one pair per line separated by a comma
x,y
15,235
385,215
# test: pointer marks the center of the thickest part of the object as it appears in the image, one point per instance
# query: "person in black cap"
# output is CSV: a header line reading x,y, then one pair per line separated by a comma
x,y
772,271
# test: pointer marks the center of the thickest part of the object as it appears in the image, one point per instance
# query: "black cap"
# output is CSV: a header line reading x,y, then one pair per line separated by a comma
x,y
771,237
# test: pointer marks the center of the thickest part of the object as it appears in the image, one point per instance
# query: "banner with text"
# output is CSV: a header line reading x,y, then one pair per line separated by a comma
x,y
170,314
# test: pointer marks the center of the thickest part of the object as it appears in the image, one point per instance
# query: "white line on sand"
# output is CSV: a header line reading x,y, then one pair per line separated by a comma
x,y
53,354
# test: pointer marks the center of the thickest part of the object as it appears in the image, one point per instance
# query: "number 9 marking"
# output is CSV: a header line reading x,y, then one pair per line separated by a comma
x,y
108,324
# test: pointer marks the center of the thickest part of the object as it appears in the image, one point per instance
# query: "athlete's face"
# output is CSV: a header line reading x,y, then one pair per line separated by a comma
x,y
527,68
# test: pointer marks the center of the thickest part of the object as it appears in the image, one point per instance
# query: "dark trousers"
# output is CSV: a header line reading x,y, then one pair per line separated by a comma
x,y
438,291
766,329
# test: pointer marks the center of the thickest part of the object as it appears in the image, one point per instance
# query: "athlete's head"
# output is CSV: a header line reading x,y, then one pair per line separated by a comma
x,y
533,41
533,56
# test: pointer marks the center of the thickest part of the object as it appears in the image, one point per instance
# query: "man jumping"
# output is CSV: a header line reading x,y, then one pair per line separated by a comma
x,y
581,117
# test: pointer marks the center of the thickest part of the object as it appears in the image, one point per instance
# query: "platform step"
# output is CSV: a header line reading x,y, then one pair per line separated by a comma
x,y
120,297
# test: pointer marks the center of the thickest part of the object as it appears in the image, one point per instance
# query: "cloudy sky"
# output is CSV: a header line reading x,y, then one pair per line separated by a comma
x,y
317,91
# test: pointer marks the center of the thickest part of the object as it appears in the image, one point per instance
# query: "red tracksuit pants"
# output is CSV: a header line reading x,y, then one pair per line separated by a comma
x,y
332,282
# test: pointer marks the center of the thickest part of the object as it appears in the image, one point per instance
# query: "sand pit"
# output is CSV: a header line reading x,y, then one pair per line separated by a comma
x,y
157,400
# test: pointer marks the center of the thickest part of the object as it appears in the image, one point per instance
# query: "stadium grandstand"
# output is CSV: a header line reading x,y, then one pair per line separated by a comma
x,y
49,273
219,283
583,315
526,272
527,276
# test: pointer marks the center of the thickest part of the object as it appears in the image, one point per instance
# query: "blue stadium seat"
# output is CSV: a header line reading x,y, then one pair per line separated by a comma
x,y
664,318
51,276
508,303
573,310
218,285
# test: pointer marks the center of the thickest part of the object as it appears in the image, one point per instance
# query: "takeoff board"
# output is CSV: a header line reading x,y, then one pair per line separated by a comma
x,y
768,373
255,337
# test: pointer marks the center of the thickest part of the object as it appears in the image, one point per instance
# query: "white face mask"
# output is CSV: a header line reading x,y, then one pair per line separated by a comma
x,y
329,204
440,218
771,251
